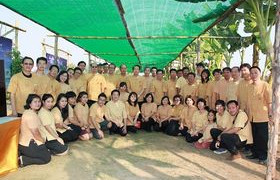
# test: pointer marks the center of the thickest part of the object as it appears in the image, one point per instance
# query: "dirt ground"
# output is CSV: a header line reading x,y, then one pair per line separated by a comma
x,y
141,156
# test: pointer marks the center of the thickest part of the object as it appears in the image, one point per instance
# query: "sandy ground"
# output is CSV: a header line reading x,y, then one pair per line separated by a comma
x,y
141,156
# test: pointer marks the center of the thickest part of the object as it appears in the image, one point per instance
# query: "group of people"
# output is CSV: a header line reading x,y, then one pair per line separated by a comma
x,y
228,111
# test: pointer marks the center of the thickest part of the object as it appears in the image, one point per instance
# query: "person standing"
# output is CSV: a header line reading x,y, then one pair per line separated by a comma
x,y
259,108
21,85
54,87
77,83
111,80
233,85
63,79
159,87
171,84
222,86
40,75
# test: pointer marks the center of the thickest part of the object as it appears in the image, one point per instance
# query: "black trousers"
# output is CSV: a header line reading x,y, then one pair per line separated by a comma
x,y
75,128
117,130
232,143
163,127
55,147
34,154
131,129
184,131
214,134
91,102
260,138
191,139
148,125
173,128
68,136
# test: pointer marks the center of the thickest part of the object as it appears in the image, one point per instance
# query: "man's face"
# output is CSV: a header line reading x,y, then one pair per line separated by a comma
x,y
111,69
100,69
154,72
53,72
101,101
173,74
245,72
191,78
233,109
94,69
136,70
115,96
123,69
235,73
106,68
179,74
255,74
147,71
185,72
226,74
77,74
217,76
199,69
27,65
41,65
82,66
159,75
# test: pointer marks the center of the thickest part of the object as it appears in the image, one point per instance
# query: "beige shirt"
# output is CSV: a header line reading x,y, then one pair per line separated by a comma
x,y
187,115
116,112
245,133
97,113
199,120
47,119
82,113
224,121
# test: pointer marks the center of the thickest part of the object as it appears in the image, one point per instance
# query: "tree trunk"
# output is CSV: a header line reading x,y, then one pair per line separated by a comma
x,y
256,54
273,138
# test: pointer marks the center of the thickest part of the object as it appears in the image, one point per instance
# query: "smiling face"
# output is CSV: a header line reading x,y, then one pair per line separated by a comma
x,y
233,109
82,66
62,102
189,102
53,72
27,65
133,98
48,103
245,73
220,109
115,96
211,117
41,65
201,105
165,101
136,71
63,77
35,104
255,74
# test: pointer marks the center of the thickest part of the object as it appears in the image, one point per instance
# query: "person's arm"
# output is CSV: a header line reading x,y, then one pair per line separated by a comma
x,y
13,104
53,133
79,116
36,133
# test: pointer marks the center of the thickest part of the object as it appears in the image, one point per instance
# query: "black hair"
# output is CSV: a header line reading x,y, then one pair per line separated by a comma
x,y
30,99
46,96
41,59
136,66
25,58
109,64
81,94
82,62
201,100
147,95
77,69
191,73
172,70
159,70
179,70
217,71
123,84
69,69
60,73
64,111
200,65
102,95
165,97
232,101
153,68
54,66
220,102
214,112
129,101
226,69
180,97
255,67
245,65
236,67
147,68
122,65
185,68
115,90
189,97
70,94
208,76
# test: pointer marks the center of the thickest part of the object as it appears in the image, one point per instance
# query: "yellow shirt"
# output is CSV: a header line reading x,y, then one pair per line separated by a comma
x,y
242,94
29,120
47,119
224,121
259,96
203,91
245,132
97,113
187,115
42,81
132,112
137,84
148,109
82,112
96,85
77,85
116,112
54,87
58,119
206,132
21,87
123,96
189,90
111,84
171,89
148,81
122,78
65,88
164,112
181,82
199,120
221,89
211,87
158,88
177,111
232,88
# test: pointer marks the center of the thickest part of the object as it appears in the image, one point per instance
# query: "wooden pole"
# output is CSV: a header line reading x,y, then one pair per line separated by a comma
x,y
198,50
181,60
273,138
16,36
56,49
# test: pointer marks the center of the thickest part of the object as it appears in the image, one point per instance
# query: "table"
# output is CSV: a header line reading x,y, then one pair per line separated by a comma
x,y
9,135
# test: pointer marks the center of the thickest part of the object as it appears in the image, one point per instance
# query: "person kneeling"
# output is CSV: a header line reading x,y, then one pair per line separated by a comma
x,y
133,112
116,114
236,137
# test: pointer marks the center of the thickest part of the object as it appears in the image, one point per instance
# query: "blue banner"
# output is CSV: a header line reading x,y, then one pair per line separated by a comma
x,y
61,62
5,54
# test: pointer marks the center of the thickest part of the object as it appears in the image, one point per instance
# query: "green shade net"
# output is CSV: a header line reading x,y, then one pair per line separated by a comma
x,y
102,18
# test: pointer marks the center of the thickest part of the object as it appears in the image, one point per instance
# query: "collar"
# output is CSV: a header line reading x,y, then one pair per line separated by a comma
x,y
27,76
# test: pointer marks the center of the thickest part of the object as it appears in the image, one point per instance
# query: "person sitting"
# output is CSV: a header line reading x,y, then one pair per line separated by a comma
x,y
173,126
32,148
53,142
236,137
133,112
148,112
186,116
62,116
81,112
164,113
199,121
97,120
205,141
116,114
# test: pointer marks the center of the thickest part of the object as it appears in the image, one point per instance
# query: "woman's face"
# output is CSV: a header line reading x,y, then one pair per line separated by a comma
x,y
62,103
70,73
189,102
149,99
133,98
48,103
201,105
204,75
84,99
123,88
211,117
63,77
165,101
177,101
35,104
